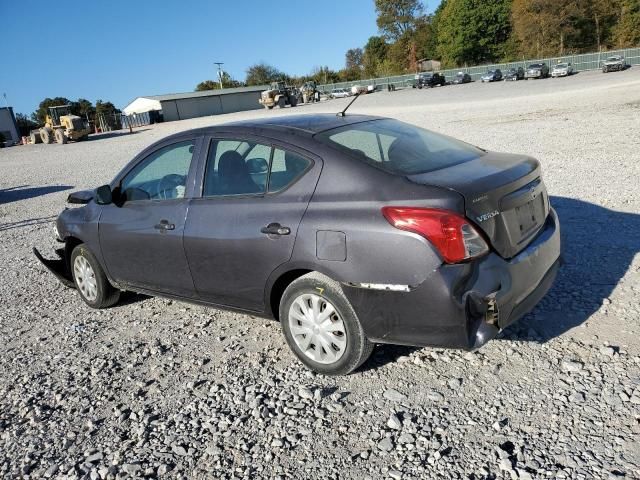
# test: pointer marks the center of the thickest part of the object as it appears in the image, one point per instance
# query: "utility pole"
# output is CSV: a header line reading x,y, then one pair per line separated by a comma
x,y
219,64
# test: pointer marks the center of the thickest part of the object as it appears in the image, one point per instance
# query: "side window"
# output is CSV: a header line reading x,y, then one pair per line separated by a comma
x,y
160,176
286,168
236,167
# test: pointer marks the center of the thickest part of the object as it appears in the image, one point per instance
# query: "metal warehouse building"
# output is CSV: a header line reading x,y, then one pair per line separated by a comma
x,y
180,106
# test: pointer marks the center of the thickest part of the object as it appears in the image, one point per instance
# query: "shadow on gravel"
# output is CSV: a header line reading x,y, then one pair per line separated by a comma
x,y
598,247
129,298
24,192
27,223
119,133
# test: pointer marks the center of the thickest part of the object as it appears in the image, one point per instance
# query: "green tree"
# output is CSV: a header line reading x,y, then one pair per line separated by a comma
x,y
547,27
425,38
83,108
474,32
627,31
353,59
25,124
397,17
227,82
374,54
106,108
263,74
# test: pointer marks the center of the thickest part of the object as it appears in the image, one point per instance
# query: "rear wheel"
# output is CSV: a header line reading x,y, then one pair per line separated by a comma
x,y
46,135
35,137
90,280
61,138
321,327
282,102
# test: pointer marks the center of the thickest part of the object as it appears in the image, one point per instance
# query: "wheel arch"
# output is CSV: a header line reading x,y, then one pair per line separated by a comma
x,y
277,287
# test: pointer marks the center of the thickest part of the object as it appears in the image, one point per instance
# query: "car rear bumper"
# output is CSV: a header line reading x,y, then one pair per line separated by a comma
x,y
466,305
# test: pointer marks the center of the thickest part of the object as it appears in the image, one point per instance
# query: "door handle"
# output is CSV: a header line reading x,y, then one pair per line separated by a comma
x,y
275,229
164,225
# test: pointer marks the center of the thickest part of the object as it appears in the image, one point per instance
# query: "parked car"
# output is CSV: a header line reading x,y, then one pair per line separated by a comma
x,y
562,70
614,63
429,80
514,74
461,77
340,93
492,76
537,70
350,230
358,89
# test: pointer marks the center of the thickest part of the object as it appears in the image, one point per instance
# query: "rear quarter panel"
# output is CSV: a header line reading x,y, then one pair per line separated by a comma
x,y
348,199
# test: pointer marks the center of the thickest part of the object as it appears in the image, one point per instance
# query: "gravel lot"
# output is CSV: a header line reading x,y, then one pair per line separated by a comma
x,y
155,388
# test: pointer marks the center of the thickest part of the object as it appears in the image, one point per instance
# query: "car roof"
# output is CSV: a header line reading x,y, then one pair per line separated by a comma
x,y
312,123
308,125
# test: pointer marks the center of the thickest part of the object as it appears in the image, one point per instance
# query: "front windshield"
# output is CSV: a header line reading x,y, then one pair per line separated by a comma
x,y
613,59
491,72
398,147
561,65
535,65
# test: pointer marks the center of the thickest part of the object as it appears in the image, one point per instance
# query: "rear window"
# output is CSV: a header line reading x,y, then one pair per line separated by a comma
x,y
399,148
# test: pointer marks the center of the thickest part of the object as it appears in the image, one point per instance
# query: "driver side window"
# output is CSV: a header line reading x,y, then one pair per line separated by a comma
x,y
160,176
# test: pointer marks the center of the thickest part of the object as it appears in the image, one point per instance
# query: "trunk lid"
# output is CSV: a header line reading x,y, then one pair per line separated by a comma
x,y
504,194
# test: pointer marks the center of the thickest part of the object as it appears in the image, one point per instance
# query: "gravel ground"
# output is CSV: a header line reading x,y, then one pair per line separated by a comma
x,y
156,388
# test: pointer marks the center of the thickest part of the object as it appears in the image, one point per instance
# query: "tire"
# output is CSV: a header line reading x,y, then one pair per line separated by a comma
x,y
349,346
46,135
293,101
90,280
60,136
282,102
35,137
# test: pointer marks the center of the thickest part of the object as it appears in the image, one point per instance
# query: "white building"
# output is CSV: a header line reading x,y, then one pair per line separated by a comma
x,y
180,106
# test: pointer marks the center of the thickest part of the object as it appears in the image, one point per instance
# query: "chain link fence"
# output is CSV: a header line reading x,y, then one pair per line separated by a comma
x,y
582,62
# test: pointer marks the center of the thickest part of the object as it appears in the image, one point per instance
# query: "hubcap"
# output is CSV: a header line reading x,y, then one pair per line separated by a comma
x,y
85,278
317,329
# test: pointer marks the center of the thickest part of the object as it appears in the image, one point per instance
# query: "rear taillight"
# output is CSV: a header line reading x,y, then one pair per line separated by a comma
x,y
452,235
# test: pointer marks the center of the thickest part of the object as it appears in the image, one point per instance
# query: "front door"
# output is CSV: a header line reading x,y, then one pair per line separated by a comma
x,y
141,235
253,198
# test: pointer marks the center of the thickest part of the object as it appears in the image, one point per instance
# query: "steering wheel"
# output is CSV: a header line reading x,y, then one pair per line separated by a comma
x,y
168,183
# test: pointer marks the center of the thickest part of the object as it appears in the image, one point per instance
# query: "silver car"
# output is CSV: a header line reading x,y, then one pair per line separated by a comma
x,y
562,70
614,63
340,93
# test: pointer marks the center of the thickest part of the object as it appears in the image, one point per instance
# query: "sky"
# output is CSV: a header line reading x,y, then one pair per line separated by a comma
x,y
117,50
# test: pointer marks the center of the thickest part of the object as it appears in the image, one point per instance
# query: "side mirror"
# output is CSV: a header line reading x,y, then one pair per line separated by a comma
x,y
104,196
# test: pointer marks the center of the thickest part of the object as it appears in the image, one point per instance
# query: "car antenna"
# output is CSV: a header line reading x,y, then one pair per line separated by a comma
x,y
342,113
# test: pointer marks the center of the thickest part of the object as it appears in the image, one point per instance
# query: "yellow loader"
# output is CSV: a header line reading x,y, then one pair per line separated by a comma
x,y
60,125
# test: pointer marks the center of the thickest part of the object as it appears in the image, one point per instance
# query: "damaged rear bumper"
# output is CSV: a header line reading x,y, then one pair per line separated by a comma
x,y
464,305
59,266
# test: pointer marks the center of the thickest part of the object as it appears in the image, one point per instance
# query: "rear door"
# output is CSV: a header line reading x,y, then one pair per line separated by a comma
x,y
244,225
141,235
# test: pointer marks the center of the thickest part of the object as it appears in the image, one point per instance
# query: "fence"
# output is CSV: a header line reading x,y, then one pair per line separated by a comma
x,y
582,62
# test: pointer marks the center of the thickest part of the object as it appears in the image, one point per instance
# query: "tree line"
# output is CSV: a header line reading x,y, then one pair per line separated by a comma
x,y
470,32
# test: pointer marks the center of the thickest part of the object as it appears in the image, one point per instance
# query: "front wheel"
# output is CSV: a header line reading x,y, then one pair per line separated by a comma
x,y
321,327
90,280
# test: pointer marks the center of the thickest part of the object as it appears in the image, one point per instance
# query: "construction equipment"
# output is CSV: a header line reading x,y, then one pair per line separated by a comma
x,y
309,90
279,94
60,125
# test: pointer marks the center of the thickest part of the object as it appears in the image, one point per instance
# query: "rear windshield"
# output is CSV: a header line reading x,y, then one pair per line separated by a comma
x,y
399,148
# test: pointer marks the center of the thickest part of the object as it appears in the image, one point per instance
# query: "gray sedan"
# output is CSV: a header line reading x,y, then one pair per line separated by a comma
x,y
350,230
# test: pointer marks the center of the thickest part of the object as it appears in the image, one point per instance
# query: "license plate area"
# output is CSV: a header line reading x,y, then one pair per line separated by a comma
x,y
529,216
